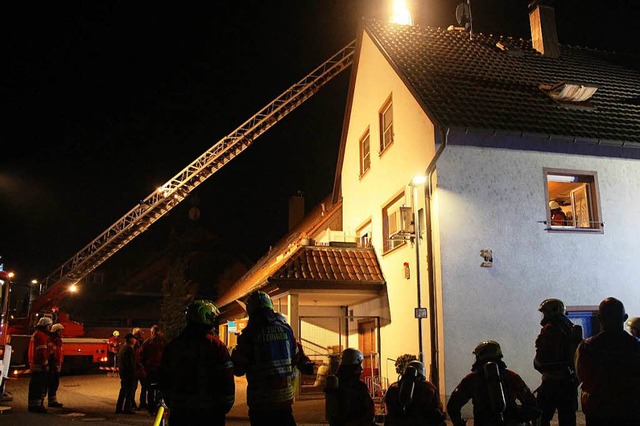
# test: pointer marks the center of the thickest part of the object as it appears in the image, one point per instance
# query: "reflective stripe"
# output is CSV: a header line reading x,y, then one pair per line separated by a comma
x,y
41,347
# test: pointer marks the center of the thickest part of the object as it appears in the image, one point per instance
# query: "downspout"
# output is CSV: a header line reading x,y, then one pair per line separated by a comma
x,y
433,325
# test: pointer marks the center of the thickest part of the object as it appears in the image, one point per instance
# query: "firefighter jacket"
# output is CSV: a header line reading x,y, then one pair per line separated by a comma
x,y
55,352
196,372
608,366
127,362
424,408
555,349
140,373
151,353
39,350
267,353
474,387
350,404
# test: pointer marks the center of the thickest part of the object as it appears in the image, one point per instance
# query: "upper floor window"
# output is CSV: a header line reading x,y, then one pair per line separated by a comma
x,y
573,200
363,235
396,220
365,153
386,125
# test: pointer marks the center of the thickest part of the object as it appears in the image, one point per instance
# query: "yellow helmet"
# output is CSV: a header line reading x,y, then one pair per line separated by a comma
x,y
634,323
116,333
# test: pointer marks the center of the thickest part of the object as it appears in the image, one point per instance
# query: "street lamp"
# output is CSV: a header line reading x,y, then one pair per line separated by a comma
x,y
34,282
420,313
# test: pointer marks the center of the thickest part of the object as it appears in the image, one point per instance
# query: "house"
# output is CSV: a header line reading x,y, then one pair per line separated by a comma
x,y
501,129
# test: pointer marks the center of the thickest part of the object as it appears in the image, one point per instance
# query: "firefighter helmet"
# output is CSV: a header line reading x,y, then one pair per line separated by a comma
x,y
116,333
202,312
634,323
419,366
259,300
489,349
56,327
44,321
553,205
351,356
552,308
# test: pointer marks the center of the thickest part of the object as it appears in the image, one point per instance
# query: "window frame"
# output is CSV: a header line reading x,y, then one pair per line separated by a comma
x,y
365,136
592,194
360,234
394,204
388,105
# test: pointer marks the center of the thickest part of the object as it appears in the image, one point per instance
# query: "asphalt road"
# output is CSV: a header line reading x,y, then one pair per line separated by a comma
x,y
92,399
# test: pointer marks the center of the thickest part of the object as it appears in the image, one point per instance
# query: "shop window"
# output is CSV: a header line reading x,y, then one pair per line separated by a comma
x,y
572,200
396,219
386,125
365,153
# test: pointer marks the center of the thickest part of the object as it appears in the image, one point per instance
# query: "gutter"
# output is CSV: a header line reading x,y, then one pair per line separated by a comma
x,y
433,321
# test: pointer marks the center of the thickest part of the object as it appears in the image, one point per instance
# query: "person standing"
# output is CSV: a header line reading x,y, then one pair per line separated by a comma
x,y
558,217
555,350
127,371
608,366
196,373
347,397
39,365
55,364
114,347
493,390
413,400
138,334
267,353
634,327
151,357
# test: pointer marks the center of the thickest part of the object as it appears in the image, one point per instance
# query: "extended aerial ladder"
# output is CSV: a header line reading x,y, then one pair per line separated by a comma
x,y
161,201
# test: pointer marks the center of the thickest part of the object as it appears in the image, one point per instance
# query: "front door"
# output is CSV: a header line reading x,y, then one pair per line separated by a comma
x,y
367,343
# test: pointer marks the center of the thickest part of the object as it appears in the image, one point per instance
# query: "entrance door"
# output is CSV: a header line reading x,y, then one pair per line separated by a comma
x,y
367,337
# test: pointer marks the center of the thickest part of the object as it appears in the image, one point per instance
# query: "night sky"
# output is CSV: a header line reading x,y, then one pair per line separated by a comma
x,y
106,100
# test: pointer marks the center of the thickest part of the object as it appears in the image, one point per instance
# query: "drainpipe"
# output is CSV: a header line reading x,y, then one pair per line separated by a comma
x,y
433,326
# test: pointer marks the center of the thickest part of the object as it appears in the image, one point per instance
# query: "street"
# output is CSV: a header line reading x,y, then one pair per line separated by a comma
x,y
92,398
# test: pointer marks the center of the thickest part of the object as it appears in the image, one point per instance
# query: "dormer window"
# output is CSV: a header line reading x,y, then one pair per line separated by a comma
x,y
570,94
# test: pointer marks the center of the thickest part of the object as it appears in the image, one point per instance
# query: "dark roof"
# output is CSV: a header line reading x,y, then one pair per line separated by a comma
x,y
474,85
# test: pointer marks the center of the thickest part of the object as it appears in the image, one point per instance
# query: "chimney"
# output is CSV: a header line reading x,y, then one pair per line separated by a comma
x,y
544,34
296,209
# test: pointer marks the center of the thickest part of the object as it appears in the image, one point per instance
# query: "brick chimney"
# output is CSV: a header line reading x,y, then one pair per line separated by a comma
x,y
296,209
544,34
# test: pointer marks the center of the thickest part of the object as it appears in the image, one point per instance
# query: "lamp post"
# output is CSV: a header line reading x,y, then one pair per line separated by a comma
x,y
415,183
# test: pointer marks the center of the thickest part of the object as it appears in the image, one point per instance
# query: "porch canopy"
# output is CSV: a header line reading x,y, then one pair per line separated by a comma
x,y
335,274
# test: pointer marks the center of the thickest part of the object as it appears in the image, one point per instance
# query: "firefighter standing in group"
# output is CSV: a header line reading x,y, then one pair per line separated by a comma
x,y
196,373
39,365
413,400
555,350
267,353
151,357
347,399
55,364
493,390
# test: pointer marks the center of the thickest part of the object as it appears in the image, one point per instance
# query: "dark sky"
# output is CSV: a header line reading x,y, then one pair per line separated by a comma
x,y
106,100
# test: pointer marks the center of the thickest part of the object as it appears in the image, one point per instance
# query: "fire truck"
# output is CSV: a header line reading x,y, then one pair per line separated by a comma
x,y
157,204
5,348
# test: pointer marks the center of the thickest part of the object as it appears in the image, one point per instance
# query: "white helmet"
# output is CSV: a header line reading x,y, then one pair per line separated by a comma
x,y
351,356
44,321
57,327
554,205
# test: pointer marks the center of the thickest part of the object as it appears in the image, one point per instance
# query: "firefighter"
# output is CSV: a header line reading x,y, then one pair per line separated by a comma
x,y
413,400
493,390
555,350
267,353
150,357
608,366
39,365
114,347
348,402
634,327
55,364
196,373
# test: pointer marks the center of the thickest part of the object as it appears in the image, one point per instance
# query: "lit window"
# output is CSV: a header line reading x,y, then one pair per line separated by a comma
x,y
573,201
365,153
363,235
386,125
396,223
